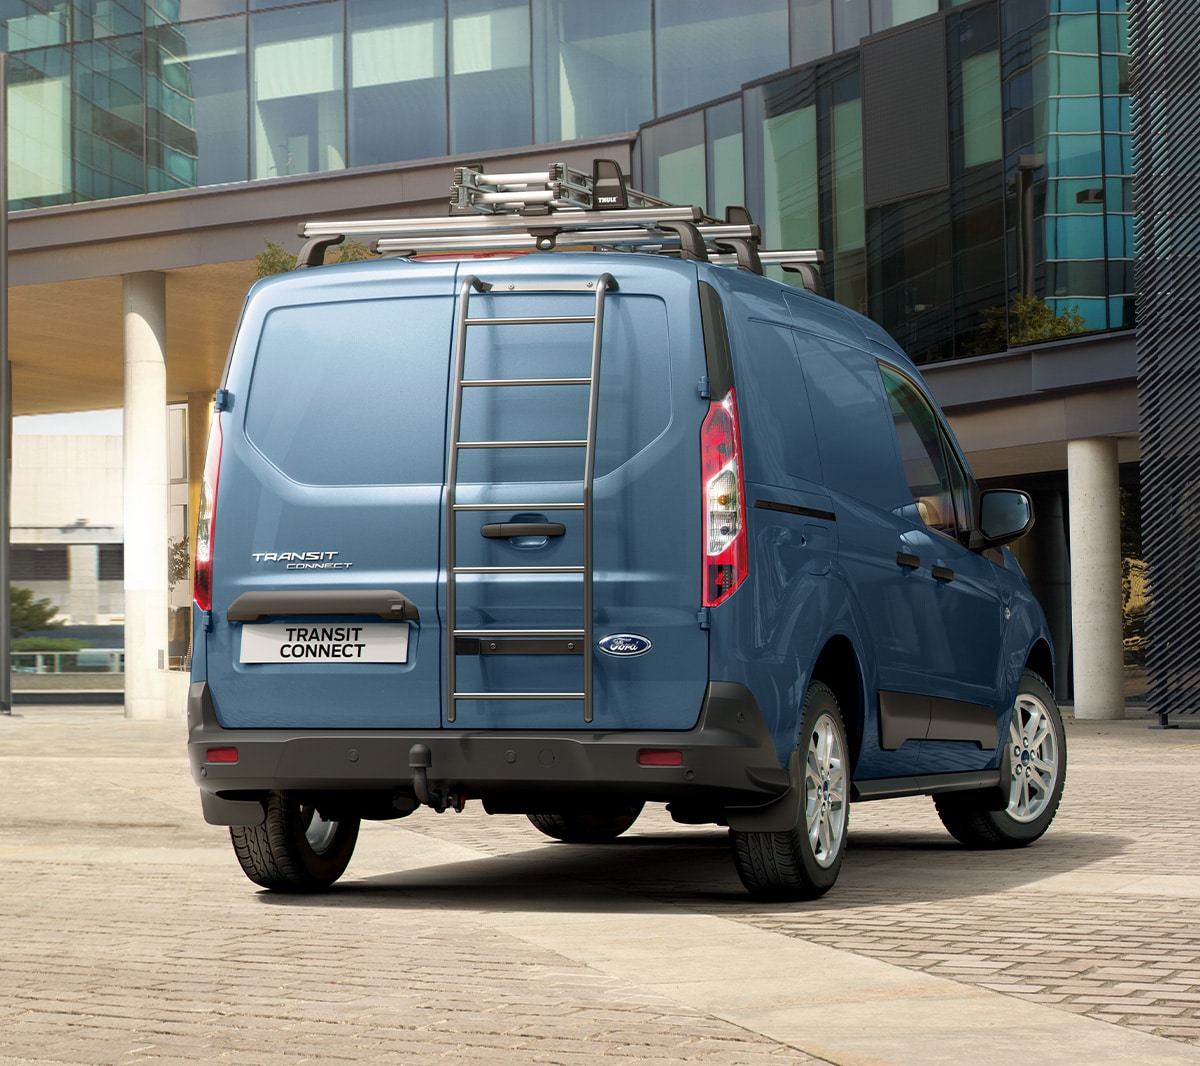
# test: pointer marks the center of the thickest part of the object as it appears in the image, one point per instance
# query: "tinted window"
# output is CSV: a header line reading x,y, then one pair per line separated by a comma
x,y
935,478
353,393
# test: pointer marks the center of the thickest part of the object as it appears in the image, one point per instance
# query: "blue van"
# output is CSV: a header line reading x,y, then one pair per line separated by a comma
x,y
572,531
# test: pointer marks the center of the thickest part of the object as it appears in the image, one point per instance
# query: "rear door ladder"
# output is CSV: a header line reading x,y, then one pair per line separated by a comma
x,y
526,641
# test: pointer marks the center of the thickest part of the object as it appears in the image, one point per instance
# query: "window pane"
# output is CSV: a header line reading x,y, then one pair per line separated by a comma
x,y
299,124
923,453
812,30
30,25
888,13
110,118
197,104
709,48
727,183
848,219
982,140
673,160
782,149
106,18
159,12
397,80
851,22
591,68
911,292
490,103
39,128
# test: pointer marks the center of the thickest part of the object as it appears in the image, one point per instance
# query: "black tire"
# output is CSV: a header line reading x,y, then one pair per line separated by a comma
x,y
1033,769
295,849
600,828
803,862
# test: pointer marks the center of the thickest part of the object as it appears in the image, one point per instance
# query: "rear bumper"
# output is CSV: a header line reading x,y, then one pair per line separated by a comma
x,y
728,760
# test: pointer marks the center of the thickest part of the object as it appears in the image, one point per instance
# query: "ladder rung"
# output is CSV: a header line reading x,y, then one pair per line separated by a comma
x,y
517,570
503,382
547,320
518,506
518,695
483,634
521,444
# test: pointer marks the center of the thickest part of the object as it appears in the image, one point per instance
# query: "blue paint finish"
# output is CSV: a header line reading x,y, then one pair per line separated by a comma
x,y
336,432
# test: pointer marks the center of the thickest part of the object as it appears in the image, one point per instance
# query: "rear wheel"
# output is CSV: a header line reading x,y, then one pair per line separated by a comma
x,y
1033,767
599,828
803,862
295,849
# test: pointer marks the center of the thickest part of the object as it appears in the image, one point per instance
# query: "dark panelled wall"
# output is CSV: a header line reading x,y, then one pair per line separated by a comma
x,y
1165,50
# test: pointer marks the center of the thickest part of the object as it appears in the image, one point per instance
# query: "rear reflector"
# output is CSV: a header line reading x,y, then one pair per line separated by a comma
x,y
221,755
652,757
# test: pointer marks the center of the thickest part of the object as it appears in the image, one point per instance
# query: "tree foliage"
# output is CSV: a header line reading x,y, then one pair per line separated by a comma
x,y
275,259
179,560
29,615
1026,320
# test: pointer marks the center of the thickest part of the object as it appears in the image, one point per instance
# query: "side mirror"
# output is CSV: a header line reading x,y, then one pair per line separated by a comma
x,y
1005,515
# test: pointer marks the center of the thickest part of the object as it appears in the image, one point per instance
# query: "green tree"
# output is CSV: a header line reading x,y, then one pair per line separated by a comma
x,y
1027,320
179,561
275,259
29,615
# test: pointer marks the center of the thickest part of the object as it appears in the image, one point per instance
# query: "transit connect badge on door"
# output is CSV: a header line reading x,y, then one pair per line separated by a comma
x,y
625,644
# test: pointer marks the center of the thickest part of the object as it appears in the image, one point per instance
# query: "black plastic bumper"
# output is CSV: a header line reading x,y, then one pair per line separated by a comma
x,y
728,761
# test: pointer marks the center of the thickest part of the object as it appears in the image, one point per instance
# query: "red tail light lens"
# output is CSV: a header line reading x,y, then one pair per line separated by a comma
x,y
202,568
726,557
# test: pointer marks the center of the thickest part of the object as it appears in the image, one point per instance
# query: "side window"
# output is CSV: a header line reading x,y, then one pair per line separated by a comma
x,y
935,478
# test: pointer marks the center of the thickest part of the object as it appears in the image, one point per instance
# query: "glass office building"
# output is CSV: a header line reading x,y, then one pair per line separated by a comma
x,y
950,158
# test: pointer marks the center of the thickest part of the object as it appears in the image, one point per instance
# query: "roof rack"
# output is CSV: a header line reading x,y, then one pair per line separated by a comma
x,y
565,208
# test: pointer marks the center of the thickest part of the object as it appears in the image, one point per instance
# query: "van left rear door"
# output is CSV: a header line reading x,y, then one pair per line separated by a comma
x,y
329,499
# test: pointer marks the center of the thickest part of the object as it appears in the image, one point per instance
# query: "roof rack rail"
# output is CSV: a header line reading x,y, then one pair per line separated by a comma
x,y
564,207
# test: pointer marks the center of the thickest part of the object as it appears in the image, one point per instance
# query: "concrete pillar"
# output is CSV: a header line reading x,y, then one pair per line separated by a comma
x,y
199,419
147,495
83,590
1095,507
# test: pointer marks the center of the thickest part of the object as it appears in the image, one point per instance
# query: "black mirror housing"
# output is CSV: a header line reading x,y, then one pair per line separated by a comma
x,y
1005,515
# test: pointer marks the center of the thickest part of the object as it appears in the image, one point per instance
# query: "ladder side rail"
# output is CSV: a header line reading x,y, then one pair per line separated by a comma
x,y
469,284
603,285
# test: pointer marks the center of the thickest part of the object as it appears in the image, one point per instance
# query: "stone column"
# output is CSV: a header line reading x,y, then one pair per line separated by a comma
x,y
147,495
83,591
1096,607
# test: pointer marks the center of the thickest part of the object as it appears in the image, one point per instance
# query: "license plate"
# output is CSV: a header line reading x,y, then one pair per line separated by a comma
x,y
308,643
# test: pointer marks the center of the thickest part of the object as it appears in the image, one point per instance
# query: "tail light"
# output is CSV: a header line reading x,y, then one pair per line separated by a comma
x,y
726,558
202,568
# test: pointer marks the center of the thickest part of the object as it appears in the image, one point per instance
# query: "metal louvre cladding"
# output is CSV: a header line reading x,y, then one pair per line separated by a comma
x,y
1165,44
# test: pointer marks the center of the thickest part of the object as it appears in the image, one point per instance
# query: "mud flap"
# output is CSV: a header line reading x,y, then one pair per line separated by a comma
x,y
781,814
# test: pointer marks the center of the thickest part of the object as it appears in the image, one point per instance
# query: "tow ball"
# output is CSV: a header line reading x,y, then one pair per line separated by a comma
x,y
420,759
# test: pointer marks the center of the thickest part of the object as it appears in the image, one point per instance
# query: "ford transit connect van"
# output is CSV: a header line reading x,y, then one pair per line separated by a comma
x,y
567,532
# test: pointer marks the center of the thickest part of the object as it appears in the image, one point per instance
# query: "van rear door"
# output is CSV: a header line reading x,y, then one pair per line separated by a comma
x,y
519,549
328,512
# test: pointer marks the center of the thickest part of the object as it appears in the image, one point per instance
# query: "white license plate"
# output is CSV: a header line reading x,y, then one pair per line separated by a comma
x,y
304,642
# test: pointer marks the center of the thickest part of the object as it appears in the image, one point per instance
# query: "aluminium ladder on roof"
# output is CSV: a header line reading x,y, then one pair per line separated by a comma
x,y
523,641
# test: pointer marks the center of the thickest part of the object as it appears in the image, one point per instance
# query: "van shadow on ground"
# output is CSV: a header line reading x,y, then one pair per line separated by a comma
x,y
644,872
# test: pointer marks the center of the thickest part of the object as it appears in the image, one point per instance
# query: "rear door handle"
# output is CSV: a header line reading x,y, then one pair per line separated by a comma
x,y
385,603
908,561
504,530
942,573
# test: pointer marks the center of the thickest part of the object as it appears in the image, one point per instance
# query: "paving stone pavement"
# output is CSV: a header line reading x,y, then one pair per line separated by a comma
x,y
130,935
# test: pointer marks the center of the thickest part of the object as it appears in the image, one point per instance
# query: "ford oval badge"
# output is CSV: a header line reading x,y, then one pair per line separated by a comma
x,y
626,644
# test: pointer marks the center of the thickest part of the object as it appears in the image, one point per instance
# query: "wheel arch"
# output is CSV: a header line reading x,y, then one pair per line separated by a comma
x,y
837,666
1041,661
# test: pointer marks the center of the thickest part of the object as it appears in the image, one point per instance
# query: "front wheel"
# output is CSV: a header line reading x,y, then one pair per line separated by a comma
x,y
1033,768
803,862
295,849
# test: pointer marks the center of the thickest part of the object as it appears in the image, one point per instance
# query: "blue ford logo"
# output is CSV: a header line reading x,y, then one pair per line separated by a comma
x,y
624,644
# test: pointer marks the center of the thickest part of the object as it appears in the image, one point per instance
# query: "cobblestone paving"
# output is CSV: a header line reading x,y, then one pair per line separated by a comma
x,y
131,936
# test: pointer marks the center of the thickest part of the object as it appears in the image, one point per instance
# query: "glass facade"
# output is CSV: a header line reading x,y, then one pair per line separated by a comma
x,y
1020,227
1023,210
